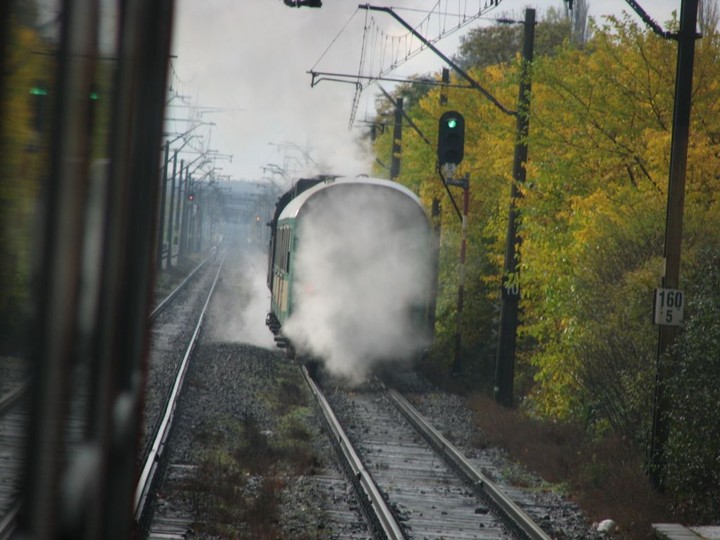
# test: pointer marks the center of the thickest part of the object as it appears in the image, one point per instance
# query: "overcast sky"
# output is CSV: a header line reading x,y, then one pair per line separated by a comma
x,y
245,63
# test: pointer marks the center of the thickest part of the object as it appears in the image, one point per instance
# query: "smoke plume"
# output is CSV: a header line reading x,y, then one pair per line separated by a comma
x,y
237,313
363,276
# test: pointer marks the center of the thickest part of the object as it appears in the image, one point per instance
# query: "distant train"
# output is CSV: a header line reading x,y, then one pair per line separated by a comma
x,y
352,269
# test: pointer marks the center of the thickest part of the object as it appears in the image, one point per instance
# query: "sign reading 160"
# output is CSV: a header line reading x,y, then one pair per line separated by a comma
x,y
669,307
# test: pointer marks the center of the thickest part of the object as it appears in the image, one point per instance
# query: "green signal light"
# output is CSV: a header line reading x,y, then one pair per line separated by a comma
x,y
94,96
37,91
451,138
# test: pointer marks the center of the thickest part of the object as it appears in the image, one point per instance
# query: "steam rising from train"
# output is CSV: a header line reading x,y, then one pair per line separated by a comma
x,y
362,277
236,312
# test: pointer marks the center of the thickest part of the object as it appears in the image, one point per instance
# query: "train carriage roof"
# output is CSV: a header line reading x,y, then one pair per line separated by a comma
x,y
295,206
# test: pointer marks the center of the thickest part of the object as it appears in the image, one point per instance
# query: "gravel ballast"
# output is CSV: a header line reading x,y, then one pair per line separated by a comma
x,y
263,466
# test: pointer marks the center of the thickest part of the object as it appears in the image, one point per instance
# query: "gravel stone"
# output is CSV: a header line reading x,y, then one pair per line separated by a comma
x,y
229,381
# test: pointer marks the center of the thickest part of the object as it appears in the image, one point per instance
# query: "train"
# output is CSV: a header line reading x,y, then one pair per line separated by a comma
x,y
352,271
82,151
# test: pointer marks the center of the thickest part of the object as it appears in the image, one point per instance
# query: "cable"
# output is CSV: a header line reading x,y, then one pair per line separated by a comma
x,y
335,38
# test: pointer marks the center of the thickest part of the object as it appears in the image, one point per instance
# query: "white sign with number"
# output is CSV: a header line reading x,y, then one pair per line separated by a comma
x,y
669,307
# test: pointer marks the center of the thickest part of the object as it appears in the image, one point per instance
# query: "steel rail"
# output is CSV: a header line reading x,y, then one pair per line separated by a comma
x,y
8,522
504,504
382,516
13,397
8,401
153,460
7,404
169,298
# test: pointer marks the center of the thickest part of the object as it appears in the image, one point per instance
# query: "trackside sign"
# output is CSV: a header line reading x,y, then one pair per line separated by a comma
x,y
669,307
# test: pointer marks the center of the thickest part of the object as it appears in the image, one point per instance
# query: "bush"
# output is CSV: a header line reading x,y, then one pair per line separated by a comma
x,y
604,475
693,450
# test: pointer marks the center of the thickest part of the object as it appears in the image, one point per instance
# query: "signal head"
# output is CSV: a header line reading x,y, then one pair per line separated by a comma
x,y
451,138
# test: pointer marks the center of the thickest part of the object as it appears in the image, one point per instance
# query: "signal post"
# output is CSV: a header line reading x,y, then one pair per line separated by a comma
x,y
451,147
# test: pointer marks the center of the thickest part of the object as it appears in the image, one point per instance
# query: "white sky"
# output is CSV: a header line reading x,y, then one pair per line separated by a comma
x,y
246,61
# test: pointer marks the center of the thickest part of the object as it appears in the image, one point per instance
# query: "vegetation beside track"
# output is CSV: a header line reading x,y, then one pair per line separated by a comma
x,y
244,466
603,475
592,219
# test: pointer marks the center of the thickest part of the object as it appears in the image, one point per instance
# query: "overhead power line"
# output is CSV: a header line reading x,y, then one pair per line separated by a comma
x,y
383,49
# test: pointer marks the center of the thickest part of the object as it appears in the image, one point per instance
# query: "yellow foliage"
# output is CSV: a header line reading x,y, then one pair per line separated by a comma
x,y
22,163
592,208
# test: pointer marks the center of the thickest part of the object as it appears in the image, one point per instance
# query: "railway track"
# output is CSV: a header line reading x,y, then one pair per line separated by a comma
x,y
15,386
412,481
174,321
13,426
424,499
175,334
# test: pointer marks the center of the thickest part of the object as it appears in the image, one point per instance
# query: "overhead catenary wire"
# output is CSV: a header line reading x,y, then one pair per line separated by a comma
x,y
383,52
358,84
337,36
404,47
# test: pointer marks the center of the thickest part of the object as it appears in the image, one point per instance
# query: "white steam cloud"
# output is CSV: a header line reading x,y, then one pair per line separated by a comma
x,y
362,279
237,312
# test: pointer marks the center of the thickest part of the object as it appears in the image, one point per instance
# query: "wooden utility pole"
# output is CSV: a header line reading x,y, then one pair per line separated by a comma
x,y
505,366
465,185
673,229
397,141
162,210
507,334
170,226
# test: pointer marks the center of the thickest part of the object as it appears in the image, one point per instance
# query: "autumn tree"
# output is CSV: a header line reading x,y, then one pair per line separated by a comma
x,y
22,160
693,448
500,43
592,222
592,225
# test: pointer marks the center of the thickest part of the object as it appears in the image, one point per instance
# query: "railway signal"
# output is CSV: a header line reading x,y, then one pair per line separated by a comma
x,y
39,94
300,3
451,138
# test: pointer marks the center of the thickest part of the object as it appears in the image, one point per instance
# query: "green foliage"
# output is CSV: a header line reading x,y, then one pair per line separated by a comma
x,y
233,494
693,451
592,228
595,357
26,105
22,164
489,45
499,44
593,218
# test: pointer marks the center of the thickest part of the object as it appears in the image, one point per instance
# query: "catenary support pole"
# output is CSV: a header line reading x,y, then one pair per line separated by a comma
x,y
673,229
182,199
507,334
163,197
397,141
168,264
465,184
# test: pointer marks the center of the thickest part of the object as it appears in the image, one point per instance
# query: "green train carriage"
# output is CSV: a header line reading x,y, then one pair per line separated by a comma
x,y
352,245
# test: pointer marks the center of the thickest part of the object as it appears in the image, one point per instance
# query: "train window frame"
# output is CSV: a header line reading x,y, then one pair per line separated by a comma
x,y
283,249
287,251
